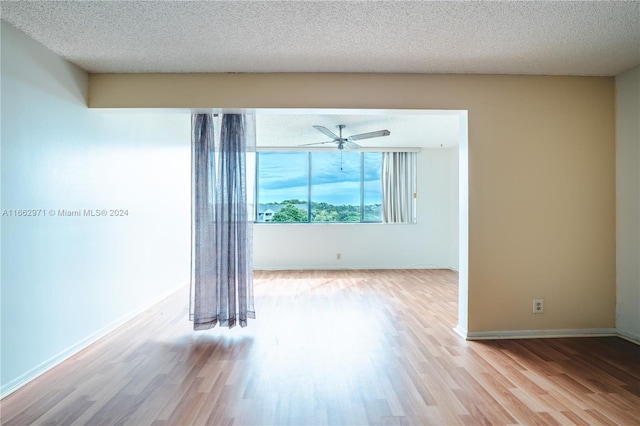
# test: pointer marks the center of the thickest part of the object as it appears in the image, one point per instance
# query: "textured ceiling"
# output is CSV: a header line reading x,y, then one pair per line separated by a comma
x,y
506,37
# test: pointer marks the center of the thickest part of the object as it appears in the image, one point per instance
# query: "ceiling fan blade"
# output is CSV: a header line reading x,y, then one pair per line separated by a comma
x,y
369,135
326,132
317,143
351,145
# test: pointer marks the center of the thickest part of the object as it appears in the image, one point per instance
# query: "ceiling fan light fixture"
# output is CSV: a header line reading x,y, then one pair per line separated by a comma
x,y
349,141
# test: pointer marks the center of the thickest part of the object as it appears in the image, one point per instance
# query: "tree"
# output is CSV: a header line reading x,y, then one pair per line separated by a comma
x,y
325,216
290,213
292,201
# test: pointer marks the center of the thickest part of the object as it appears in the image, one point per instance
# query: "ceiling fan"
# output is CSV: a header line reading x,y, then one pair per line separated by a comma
x,y
347,142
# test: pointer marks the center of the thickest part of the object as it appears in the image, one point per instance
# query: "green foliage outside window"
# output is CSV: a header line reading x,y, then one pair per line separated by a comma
x,y
325,212
290,213
319,187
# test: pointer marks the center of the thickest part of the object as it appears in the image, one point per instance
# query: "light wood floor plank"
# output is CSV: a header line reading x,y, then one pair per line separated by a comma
x,y
334,348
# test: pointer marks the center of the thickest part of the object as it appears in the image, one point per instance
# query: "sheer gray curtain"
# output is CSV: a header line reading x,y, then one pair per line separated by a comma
x,y
221,221
399,187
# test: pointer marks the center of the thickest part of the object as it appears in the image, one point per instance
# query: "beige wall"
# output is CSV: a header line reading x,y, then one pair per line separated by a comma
x,y
541,173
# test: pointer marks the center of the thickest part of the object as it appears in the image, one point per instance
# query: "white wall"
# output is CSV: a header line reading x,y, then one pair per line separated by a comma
x,y
67,280
454,208
628,203
431,243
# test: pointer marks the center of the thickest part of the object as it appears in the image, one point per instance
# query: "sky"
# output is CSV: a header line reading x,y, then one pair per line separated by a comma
x,y
335,180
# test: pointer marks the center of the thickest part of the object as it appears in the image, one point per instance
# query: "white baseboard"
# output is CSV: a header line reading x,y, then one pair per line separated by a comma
x,y
634,338
47,365
344,267
539,334
460,331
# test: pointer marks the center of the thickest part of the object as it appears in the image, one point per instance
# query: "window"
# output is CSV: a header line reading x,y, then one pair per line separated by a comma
x,y
372,190
319,187
282,186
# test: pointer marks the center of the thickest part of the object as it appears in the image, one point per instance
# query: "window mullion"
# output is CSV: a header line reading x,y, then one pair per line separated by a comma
x,y
361,187
309,188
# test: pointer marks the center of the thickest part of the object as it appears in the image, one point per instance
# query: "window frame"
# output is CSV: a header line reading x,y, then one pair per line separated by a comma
x,y
309,201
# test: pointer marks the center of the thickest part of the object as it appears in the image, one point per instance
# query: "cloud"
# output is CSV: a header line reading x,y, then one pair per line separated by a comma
x,y
335,180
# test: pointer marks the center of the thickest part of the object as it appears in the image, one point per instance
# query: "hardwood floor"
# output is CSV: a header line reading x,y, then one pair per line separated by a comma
x,y
334,347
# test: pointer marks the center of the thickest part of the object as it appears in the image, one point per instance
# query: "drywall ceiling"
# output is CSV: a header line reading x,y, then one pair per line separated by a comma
x,y
503,37
428,129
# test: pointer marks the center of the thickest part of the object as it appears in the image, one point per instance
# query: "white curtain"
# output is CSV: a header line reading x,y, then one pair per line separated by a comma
x,y
399,187
221,223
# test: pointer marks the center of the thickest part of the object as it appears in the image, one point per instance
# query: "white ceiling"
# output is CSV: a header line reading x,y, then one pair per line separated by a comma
x,y
502,37
431,129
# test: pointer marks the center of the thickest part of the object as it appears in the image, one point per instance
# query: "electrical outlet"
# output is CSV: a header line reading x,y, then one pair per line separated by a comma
x,y
538,306
338,256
